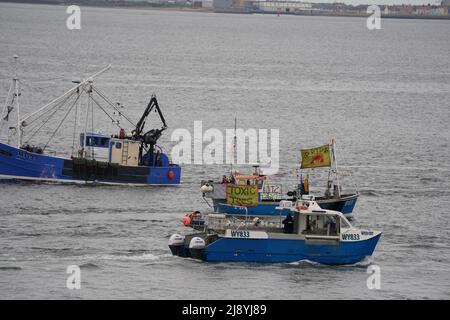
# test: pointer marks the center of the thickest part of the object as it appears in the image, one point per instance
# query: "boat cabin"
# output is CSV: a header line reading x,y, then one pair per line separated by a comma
x,y
251,180
311,221
102,147
314,223
257,178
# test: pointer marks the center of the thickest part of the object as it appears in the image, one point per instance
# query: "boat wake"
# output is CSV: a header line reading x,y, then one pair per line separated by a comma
x,y
304,262
140,257
89,266
10,268
361,264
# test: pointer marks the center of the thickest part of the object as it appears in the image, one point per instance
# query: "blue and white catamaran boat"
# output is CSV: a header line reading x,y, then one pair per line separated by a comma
x,y
96,157
309,233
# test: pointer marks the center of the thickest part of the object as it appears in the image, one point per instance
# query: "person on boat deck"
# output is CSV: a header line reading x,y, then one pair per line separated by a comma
x,y
288,223
331,226
224,179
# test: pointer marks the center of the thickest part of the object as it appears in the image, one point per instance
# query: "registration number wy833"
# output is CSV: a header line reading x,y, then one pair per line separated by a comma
x,y
350,236
240,234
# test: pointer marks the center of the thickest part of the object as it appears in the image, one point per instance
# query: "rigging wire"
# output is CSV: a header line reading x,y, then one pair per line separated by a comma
x,y
55,108
62,121
47,113
87,116
102,95
92,113
35,125
75,124
51,106
5,106
57,100
107,114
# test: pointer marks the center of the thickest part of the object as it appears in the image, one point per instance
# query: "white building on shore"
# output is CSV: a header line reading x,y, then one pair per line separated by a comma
x,y
282,6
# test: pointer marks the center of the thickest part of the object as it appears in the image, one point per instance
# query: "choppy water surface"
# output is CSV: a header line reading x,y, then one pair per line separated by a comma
x,y
382,94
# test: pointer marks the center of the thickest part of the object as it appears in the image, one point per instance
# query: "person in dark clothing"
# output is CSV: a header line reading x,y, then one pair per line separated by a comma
x,y
288,223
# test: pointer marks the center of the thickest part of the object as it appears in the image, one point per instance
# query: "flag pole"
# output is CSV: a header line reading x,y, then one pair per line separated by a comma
x,y
333,146
234,146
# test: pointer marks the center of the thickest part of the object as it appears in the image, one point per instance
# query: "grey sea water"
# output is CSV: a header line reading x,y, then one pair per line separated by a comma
x,y
383,95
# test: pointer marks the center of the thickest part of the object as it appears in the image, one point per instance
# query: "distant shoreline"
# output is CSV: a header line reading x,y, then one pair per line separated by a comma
x,y
149,6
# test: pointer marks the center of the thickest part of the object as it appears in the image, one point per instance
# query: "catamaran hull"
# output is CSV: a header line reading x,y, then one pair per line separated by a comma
x,y
345,205
288,250
19,164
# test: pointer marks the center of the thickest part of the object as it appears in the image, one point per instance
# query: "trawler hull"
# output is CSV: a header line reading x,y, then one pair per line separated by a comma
x,y
345,204
19,164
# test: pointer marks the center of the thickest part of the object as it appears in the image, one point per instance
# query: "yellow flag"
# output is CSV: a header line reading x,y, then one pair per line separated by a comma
x,y
242,195
316,157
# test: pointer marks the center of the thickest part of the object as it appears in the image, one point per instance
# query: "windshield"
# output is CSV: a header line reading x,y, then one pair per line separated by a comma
x,y
325,225
345,224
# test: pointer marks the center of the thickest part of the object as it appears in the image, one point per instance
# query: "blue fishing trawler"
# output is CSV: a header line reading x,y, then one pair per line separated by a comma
x,y
96,157
307,233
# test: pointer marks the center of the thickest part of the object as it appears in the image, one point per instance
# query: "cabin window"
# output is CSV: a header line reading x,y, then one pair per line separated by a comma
x,y
82,139
91,141
345,224
100,142
104,142
260,184
323,225
118,145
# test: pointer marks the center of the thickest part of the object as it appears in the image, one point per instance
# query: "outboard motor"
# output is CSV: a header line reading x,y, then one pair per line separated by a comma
x,y
197,248
176,244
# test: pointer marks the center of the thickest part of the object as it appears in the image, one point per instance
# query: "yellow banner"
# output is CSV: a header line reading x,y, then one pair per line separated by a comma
x,y
239,195
316,157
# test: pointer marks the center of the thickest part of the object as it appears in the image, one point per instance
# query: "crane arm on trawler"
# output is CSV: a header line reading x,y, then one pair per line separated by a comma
x,y
151,136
